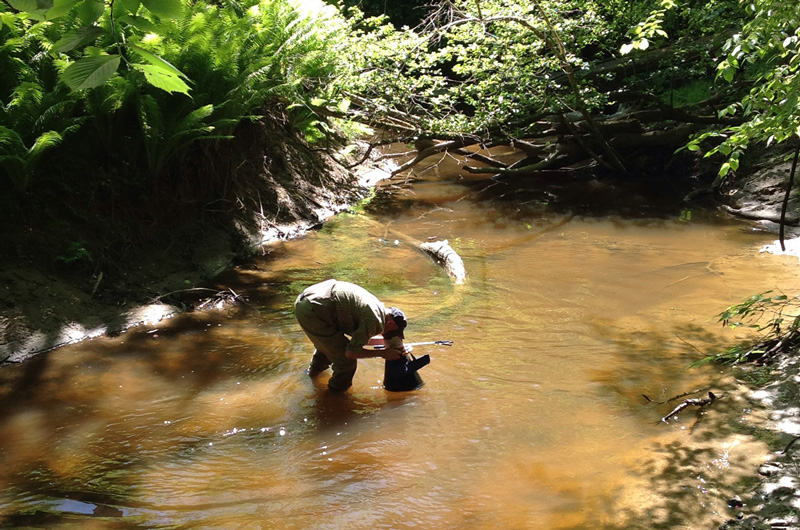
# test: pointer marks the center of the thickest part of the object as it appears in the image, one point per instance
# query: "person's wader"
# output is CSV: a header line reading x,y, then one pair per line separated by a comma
x,y
314,311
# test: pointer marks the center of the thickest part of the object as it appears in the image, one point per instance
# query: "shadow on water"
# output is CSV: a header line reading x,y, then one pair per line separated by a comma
x,y
535,419
704,455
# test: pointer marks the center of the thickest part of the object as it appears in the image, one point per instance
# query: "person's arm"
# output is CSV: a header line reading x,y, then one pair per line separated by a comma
x,y
391,351
390,354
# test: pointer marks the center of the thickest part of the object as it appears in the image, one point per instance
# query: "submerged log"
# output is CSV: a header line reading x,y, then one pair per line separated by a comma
x,y
440,251
447,258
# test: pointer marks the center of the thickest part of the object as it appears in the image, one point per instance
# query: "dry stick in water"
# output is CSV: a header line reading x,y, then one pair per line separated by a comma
x,y
690,402
673,398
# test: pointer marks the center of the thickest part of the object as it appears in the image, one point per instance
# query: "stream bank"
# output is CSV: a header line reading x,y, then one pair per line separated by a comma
x,y
166,280
278,188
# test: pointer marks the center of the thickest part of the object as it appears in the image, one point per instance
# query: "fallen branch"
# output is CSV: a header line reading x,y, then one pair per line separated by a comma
x,y
524,170
480,158
691,403
435,149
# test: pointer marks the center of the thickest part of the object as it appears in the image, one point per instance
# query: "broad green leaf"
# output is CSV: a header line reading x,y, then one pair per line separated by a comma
x,y
76,39
91,10
34,9
126,7
140,23
31,6
90,72
161,78
727,74
61,8
158,62
626,49
164,8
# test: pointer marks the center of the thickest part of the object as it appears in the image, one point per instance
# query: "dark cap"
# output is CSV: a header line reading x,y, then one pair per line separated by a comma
x,y
399,319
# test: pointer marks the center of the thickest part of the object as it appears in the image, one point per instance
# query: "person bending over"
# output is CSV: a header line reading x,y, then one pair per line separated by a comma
x,y
331,311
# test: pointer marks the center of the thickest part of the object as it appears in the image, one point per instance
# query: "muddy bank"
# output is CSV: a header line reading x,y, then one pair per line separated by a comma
x,y
279,188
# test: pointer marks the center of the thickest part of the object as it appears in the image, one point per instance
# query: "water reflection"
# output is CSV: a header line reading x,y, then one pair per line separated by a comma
x,y
533,419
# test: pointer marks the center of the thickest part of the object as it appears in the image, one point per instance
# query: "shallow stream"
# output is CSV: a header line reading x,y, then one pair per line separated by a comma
x,y
534,418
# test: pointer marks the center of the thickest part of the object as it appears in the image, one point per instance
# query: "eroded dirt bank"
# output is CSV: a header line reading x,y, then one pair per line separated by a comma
x,y
278,188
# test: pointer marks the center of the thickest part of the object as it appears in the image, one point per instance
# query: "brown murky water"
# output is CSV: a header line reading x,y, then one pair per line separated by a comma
x,y
533,419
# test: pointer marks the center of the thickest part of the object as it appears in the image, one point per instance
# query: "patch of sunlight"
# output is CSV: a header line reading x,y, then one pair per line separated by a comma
x,y
792,247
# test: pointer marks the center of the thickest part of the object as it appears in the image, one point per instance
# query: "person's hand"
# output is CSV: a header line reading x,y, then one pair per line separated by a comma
x,y
393,354
395,349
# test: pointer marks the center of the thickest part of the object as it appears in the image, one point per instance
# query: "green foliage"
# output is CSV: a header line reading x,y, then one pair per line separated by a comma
x,y
476,66
185,72
764,55
652,27
776,319
399,13
689,94
76,252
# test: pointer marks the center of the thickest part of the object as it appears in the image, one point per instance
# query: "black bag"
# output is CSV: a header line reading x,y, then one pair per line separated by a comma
x,y
401,375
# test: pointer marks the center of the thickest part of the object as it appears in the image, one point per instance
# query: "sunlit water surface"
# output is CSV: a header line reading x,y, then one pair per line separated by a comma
x,y
534,418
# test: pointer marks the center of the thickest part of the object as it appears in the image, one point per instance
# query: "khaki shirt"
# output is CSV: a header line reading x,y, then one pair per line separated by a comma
x,y
343,307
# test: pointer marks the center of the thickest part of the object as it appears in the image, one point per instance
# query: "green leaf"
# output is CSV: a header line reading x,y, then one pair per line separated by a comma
x,y
163,79
158,62
35,9
129,7
76,39
61,8
140,23
91,10
45,141
30,6
727,74
164,8
90,72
